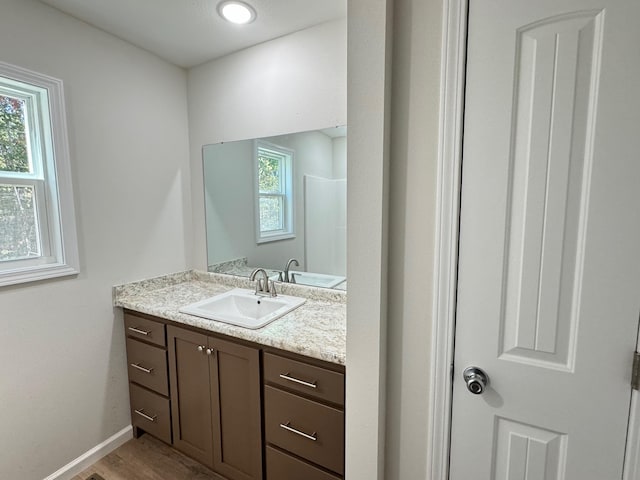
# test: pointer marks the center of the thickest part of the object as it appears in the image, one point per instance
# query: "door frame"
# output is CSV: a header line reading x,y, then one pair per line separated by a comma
x,y
452,80
449,175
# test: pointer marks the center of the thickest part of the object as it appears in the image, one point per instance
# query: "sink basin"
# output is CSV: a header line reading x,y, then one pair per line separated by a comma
x,y
243,308
312,279
317,279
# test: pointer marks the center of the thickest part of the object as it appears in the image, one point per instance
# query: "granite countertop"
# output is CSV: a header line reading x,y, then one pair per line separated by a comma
x,y
316,329
239,267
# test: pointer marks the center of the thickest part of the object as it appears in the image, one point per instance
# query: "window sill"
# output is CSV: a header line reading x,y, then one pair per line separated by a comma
x,y
34,274
276,237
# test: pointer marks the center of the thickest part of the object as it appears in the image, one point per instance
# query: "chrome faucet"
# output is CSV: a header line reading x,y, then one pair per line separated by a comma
x,y
286,269
264,286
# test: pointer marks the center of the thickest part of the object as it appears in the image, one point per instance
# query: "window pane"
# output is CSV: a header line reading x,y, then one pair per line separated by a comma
x,y
18,230
269,175
271,214
14,156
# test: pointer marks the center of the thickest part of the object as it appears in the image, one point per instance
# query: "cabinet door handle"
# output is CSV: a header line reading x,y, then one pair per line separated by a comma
x,y
286,376
140,331
145,416
141,368
287,426
210,351
200,348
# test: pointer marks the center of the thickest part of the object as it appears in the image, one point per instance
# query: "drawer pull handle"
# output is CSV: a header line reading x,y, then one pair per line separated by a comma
x,y
287,427
141,368
296,380
145,416
140,331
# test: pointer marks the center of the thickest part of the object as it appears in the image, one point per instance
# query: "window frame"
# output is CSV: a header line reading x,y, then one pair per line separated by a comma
x,y
288,214
48,146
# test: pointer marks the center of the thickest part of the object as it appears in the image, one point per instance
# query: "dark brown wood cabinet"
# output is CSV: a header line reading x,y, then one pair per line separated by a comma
x,y
190,394
148,382
304,419
215,402
150,412
283,466
207,395
237,412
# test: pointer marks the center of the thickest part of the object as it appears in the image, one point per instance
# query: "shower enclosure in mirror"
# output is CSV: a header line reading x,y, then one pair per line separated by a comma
x,y
274,199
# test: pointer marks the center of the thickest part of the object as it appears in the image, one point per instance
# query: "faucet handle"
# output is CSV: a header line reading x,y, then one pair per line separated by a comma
x,y
259,287
263,285
272,288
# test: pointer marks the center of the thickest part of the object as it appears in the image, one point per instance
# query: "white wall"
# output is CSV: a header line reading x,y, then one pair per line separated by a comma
x,y
63,386
340,157
290,84
325,202
369,84
412,215
229,197
388,343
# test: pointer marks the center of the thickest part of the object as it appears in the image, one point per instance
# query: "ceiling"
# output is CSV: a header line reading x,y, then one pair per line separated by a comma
x,y
190,32
335,132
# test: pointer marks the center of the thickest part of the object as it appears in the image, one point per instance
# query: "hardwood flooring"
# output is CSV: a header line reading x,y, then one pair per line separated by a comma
x,y
146,458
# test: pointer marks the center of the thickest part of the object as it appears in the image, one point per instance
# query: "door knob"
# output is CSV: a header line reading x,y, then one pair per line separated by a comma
x,y
476,380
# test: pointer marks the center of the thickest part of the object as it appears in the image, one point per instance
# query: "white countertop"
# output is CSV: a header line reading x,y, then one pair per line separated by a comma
x,y
316,329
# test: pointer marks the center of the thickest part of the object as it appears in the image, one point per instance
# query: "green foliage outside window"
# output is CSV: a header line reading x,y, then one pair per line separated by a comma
x,y
269,174
271,189
18,230
13,136
18,226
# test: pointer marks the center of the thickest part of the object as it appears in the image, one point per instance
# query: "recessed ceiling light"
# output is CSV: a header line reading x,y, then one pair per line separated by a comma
x,y
236,12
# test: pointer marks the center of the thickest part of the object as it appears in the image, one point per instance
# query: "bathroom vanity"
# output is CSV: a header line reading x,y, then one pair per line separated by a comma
x,y
250,404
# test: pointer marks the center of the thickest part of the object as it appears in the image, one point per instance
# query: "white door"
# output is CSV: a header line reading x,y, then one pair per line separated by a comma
x,y
549,273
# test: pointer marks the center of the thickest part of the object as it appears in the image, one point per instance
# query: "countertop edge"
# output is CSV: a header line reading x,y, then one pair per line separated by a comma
x,y
282,334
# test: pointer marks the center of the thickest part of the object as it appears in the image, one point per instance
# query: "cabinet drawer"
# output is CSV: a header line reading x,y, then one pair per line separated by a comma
x,y
147,366
150,412
145,329
281,466
313,381
304,427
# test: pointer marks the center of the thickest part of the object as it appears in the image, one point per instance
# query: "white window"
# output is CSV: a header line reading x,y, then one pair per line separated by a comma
x,y
37,219
274,192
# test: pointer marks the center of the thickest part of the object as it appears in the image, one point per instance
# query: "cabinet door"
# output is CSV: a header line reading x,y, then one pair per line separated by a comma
x,y
235,395
190,394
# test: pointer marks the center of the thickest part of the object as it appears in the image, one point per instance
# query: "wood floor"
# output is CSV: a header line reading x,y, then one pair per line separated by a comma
x,y
146,458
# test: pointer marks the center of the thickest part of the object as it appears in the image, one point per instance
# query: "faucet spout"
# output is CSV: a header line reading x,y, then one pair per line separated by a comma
x,y
287,279
264,286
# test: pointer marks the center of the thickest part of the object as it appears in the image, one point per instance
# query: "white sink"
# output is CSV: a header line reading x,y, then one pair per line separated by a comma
x,y
317,279
312,279
243,308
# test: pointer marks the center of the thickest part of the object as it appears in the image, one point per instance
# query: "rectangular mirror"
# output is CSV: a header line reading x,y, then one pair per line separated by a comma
x,y
274,199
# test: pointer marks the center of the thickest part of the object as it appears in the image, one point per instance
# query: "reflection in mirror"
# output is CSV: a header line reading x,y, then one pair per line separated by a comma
x,y
275,199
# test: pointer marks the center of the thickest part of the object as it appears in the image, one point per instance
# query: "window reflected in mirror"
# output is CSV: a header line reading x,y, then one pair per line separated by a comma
x,y
274,199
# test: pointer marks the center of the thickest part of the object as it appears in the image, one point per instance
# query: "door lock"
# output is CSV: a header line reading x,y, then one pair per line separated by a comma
x,y
476,379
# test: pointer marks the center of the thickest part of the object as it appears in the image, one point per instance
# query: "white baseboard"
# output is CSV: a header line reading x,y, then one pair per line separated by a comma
x,y
92,456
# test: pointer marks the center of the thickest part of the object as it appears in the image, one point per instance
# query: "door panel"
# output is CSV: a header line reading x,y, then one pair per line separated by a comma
x,y
237,419
190,394
554,85
549,270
